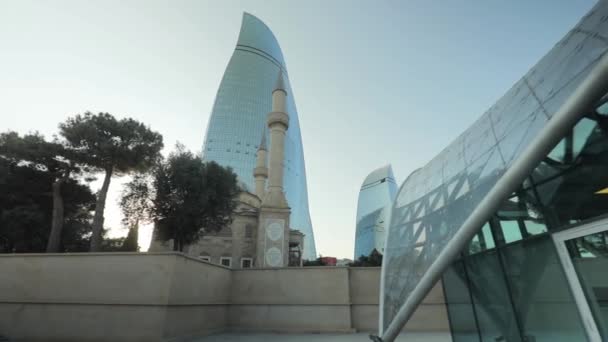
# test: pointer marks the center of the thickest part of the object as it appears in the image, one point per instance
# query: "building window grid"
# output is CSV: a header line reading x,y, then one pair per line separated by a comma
x,y
226,261
246,262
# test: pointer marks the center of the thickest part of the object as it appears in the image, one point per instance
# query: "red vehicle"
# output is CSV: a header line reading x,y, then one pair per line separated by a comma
x,y
329,261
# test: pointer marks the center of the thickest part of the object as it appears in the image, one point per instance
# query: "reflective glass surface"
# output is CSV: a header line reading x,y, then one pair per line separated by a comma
x,y
495,316
513,256
589,256
463,323
238,120
375,197
365,238
434,201
545,307
519,293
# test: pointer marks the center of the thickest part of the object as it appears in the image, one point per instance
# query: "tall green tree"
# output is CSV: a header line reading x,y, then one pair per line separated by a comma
x,y
114,147
135,204
191,197
33,151
26,209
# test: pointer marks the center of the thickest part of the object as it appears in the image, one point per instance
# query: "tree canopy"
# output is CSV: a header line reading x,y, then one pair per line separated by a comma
x,y
135,204
33,151
43,205
123,145
26,209
191,197
112,146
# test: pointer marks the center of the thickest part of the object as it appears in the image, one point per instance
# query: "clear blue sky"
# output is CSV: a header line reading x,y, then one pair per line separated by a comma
x,y
375,82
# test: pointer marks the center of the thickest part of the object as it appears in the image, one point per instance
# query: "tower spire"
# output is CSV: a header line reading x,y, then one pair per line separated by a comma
x,y
278,123
260,172
263,141
280,83
273,229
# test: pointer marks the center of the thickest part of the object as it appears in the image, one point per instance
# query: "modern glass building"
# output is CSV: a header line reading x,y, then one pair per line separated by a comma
x,y
512,217
238,120
375,197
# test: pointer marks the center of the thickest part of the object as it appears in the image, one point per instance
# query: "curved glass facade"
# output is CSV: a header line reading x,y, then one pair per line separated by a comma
x,y
376,195
238,120
509,283
435,201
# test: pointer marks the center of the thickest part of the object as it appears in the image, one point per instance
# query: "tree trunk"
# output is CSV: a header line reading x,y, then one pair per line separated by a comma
x,y
130,244
175,245
135,235
99,208
57,221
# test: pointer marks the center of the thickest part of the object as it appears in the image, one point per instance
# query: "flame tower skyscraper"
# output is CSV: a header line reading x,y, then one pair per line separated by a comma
x,y
238,120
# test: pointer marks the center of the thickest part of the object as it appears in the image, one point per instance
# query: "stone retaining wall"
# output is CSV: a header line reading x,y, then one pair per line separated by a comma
x,y
170,296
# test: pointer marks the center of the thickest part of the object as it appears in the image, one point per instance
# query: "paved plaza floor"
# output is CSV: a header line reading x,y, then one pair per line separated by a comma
x,y
253,337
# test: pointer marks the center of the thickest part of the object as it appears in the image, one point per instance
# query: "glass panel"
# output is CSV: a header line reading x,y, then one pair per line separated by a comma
x,y
475,245
460,308
589,256
510,231
571,146
534,227
602,109
543,303
559,151
487,236
482,241
520,217
582,132
491,298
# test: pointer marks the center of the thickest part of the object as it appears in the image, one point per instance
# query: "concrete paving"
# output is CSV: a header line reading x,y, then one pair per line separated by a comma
x,y
257,337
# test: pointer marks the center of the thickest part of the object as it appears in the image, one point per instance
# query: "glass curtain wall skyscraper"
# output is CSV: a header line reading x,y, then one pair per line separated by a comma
x,y
375,197
238,120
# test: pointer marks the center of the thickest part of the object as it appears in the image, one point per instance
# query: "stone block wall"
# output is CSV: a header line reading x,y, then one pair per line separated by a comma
x,y
169,296
110,297
320,299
